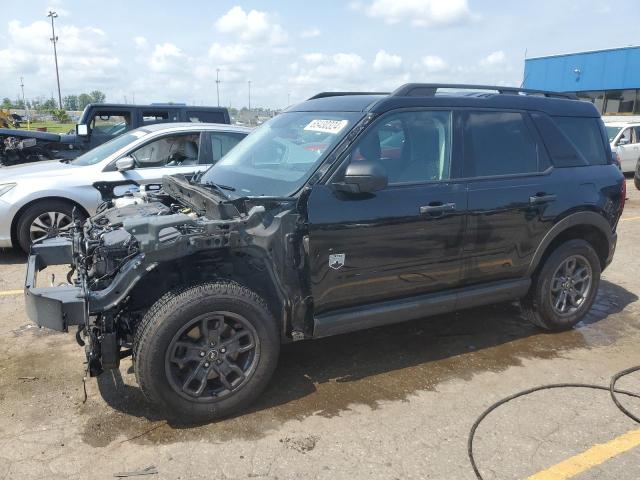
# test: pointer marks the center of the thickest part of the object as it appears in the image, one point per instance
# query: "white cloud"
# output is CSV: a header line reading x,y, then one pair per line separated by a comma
x,y
251,27
494,59
386,61
420,13
85,57
330,71
433,63
167,58
140,42
231,53
310,33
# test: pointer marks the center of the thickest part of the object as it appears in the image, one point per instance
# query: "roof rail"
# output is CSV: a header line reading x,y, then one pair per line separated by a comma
x,y
430,89
343,94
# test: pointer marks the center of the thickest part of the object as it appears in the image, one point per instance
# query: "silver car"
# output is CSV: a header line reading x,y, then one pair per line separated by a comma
x,y
37,200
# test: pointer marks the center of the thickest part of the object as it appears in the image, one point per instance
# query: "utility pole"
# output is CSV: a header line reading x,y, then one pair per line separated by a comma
x,y
218,84
54,39
24,102
288,99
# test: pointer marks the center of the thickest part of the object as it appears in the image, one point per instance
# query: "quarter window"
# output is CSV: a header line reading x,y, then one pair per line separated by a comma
x,y
412,146
586,137
500,143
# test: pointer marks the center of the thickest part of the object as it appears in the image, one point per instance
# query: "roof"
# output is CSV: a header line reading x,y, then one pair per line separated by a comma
x,y
157,127
427,95
628,47
155,105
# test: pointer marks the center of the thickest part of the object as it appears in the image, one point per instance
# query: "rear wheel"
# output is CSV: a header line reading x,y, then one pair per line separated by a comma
x,y
206,351
45,219
565,287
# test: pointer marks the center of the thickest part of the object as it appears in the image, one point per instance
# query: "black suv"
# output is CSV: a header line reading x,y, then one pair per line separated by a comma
x,y
99,123
345,212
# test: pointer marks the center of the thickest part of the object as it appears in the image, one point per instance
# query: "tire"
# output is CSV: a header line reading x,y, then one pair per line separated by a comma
x,y
62,211
163,367
636,179
539,305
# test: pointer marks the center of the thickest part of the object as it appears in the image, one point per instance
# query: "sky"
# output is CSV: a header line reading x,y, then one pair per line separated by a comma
x,y
168,50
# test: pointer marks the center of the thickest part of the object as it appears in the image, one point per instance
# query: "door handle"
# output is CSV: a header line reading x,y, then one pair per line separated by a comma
x,y
437,207
541,198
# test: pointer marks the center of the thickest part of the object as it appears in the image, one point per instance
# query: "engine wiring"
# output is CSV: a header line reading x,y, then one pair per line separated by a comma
x,y
613,391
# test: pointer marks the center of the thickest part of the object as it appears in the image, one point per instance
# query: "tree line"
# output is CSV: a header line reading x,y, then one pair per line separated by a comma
x,y
69,102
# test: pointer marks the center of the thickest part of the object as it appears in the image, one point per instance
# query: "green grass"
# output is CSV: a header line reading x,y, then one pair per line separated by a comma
x,y
51,126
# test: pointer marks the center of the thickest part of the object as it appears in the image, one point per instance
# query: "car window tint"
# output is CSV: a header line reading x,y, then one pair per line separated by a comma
x,y
499,143
169,151
222,142
206,117
586,137
411,146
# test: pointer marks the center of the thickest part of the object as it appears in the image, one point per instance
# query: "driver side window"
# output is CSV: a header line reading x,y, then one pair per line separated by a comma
x,y
170,151
111,124
412,147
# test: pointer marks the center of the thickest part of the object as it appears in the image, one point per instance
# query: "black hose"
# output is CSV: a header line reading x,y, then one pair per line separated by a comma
x,y
611,389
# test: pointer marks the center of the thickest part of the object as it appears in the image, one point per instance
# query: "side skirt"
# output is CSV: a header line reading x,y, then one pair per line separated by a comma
x,y
394,311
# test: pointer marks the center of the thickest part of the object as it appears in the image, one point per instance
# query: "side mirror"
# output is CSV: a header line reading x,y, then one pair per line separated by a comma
x,y
363,176
623,141
125,163
82,130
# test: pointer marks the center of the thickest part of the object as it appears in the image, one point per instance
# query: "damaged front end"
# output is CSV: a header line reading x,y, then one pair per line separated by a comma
x,y
124,259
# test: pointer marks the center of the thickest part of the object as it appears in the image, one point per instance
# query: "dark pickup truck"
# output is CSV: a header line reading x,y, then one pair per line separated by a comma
x,y
98,123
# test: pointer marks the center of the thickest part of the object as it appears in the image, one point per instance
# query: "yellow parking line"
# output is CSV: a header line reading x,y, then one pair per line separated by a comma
x,y
630,219
7,293
596,455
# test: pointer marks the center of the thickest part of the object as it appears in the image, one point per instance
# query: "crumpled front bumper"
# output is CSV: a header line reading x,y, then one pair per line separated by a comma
x,y
53,307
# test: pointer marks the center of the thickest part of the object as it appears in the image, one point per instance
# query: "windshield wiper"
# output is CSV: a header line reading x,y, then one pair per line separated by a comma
x,y
219,188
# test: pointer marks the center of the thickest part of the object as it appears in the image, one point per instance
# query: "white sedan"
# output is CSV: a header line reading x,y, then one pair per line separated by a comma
x,y
38,200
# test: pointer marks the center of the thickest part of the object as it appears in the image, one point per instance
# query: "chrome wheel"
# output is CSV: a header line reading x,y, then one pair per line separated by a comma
x,y
212,356
571,285
48,224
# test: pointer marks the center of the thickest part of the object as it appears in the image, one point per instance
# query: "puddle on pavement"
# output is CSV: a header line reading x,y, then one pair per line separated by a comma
x,y
324,377
321,377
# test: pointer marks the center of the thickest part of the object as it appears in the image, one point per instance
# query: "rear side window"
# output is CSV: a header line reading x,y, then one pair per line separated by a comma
x,y
585,136
206,117
158,116
500,143
222,142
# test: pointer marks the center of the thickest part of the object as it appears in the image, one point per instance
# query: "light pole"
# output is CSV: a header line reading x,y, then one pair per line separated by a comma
x,y
249,83
54,39
26,109
218,84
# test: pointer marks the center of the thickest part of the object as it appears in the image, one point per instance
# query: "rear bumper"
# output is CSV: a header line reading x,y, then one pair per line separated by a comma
x,y
53,307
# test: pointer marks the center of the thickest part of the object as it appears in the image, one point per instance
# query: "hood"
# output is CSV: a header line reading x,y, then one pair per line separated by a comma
x,y
46,169
43,136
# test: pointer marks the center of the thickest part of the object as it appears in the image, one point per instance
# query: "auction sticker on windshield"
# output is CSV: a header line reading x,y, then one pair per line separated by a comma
x,y
326,126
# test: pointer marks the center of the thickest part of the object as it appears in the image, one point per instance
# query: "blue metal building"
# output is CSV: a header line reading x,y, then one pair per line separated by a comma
x,y
608,78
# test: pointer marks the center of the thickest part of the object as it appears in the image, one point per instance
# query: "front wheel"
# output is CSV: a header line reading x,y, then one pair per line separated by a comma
x,y
45,219
206,351
565,288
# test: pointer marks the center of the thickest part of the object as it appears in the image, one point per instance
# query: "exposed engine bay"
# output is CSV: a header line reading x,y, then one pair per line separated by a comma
x,y
135,249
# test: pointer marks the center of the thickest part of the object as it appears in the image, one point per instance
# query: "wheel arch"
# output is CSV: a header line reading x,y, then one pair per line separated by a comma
x,y
589,226
23,208
251,268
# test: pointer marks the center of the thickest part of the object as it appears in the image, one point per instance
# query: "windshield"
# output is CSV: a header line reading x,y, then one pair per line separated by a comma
x,y
612,132
103,151
277,158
